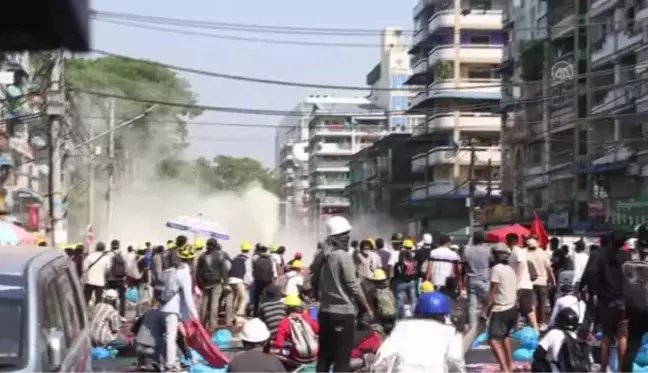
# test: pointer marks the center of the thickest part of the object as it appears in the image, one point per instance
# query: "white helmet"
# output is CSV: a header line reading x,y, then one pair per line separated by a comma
x,y
255,331
110,294
337,225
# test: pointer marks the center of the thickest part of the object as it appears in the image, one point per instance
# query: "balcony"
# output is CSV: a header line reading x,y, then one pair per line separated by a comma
x,y
448,155
334,201
463,121
322,183
449,189
420,7
614,44
488,20
563,28
598,7
333,149
419,162
472,53
345,131
330,166
287,160
420,36
617,98
468,88
420,67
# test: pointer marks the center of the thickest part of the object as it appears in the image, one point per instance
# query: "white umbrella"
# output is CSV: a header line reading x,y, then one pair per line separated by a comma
x,y
198,226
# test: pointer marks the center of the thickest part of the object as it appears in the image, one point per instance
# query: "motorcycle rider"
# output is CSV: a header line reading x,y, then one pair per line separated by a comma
x,y
409,348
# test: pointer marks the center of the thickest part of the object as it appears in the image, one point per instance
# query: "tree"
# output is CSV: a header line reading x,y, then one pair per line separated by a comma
x,y
222,173
138,78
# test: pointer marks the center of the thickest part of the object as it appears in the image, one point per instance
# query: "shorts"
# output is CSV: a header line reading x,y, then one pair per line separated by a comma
x,y
526,301
541,293
501,323
613,320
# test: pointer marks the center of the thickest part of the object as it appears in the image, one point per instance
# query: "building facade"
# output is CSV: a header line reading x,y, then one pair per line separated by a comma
x,y
575,142
456,51
337,130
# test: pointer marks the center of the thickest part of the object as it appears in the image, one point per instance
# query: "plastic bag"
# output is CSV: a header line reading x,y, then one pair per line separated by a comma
x,y
131,295
528,337
222,338
523,354
480,340
642,356
202,368
101,353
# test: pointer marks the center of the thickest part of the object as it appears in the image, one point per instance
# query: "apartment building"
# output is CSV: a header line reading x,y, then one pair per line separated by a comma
x,y
456,52
573,137
338,128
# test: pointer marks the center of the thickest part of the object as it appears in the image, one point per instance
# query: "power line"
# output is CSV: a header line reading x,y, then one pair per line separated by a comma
x,y
291,30
332,87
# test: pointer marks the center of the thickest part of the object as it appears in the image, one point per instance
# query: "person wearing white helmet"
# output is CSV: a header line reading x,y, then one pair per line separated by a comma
x,y
254,336
106,321
334,278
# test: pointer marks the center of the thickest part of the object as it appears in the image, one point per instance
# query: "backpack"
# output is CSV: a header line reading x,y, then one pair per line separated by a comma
x,y
263,269
385,303
170,284
303,337
118,266
205,270
635,285
574,355
407,265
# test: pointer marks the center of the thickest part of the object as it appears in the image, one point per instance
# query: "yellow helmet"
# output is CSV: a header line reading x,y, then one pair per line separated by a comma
x,y
273,248
187,252
297,264
246,246
170,244
379,275
372,242
292,300
408,244
41,241
426,287
199,244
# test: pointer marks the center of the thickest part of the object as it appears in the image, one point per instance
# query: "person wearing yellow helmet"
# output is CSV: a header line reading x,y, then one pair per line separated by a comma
x,y
294,278
366,261
405,279
199,244
382,300
426,287
246,247
170,244
240,277
297,315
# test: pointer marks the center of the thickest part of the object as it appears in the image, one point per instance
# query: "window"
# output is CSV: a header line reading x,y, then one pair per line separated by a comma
x,y
11,311
64,289
77,295
480,39
398,80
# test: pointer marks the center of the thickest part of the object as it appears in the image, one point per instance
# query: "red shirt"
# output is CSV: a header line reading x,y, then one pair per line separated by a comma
x,y
284,336
369,345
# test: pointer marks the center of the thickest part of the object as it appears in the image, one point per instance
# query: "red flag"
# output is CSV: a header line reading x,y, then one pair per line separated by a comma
x,y
538,229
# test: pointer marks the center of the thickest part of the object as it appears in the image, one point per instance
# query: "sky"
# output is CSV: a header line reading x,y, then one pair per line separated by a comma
x,y
311,64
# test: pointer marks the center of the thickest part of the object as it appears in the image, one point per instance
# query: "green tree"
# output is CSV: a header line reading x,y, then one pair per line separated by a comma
x,y
139,78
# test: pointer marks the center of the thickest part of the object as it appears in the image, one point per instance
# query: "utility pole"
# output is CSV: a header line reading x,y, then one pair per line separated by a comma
x,y
470,201
111,168
91,181
588,102
575,93
55,111
489,190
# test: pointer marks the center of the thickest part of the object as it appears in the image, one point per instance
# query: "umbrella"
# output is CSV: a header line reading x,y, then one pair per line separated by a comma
x,y
25,237
198,226
499,234
8,235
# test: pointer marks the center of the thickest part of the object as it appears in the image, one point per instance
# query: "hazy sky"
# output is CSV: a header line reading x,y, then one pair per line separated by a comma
x,y
320,65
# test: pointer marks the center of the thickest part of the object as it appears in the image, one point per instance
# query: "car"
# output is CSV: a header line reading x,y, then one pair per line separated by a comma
x,y
43,315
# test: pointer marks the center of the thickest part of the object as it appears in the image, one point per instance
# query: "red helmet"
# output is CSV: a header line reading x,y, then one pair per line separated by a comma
x,y
298,255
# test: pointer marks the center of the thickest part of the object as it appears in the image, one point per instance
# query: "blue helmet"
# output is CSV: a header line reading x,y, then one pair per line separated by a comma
x,y
434,303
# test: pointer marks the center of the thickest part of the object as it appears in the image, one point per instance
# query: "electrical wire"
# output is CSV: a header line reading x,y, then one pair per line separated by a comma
x,y
336,87
291,30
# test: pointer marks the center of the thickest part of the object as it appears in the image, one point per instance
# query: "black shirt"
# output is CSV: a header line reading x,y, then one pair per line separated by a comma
x,y
255,361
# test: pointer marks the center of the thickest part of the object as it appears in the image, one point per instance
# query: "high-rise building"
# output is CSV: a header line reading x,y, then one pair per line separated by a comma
x,y
456,52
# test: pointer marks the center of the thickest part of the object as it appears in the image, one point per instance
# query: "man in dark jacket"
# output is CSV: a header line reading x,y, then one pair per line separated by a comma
x,y
116,277
211,274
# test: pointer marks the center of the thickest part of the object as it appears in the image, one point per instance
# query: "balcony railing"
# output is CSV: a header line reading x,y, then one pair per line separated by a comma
x,y
483,20
419,162
444,155
484,53
614,43
560,158
420,36
478,87
334,201
330,164
445,188
332,148
330,183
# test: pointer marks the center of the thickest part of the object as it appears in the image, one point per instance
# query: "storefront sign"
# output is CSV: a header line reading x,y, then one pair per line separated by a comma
x,y
629,213
494,214
558,220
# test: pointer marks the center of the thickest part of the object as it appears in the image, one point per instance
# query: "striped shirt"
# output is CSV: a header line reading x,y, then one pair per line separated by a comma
x,y
271,313
105,326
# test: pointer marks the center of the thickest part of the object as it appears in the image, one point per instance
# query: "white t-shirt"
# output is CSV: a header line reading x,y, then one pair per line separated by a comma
x,y
95,267
443,261
552,343
293,281
504,276
568,301
580,262
393,259
524,280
